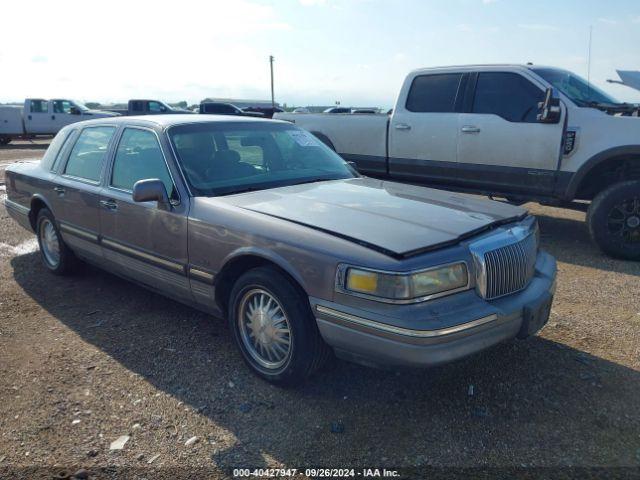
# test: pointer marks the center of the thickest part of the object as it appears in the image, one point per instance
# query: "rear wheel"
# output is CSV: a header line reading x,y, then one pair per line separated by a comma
x,y
614,220
55,254
274,327
5,140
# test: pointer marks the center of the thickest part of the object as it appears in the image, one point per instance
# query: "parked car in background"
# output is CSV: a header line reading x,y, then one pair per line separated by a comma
x,y
42,117
301,110
337,110
258,221
219,108
149,107
267,112
364,110
524,132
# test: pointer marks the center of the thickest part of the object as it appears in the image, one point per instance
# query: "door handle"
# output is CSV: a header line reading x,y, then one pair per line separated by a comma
x,y
470,129
109,204
402,126
59,190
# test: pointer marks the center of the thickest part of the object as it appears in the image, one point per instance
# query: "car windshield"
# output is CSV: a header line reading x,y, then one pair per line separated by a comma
x,y
222,158
581,92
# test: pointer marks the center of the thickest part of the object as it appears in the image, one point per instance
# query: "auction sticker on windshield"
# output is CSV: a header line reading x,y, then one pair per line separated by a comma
x,y
302,138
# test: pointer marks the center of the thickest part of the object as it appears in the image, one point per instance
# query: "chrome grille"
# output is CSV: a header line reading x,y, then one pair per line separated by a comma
x,y
509,269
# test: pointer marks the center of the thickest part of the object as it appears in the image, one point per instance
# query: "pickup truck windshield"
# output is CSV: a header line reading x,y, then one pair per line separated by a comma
x,y
222,158
80,105
576,88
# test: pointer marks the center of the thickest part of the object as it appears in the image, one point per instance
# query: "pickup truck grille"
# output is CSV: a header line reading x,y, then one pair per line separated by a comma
x,y
510,268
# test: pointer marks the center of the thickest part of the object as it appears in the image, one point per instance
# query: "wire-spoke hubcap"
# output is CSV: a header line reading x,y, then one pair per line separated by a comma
x,y
50,243
264,329
624,220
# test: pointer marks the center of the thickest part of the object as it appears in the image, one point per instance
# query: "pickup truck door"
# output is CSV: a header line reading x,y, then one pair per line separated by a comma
x,y
62,115
501,145
143,240
423,132
38,117
77,190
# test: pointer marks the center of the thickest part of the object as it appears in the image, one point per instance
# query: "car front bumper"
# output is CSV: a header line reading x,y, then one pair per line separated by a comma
x,y
436,332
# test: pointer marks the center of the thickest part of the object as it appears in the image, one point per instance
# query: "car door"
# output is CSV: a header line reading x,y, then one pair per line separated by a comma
x,y
143,240
38,119
501,145
77,190
423,132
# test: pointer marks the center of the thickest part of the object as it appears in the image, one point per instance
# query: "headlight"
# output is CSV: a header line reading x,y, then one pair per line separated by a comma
x,y
410,287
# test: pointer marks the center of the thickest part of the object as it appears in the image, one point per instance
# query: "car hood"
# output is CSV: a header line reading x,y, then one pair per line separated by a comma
x,y
395,218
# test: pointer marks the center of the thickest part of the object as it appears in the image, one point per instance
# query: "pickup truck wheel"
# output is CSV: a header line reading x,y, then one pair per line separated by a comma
x,y
274,327
614,220
55,254
4,140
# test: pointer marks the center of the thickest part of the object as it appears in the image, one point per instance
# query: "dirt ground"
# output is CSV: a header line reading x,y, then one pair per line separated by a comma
x,y
85,360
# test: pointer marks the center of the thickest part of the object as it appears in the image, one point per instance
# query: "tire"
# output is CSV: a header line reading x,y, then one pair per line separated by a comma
x,y
54,253
614,220
5,140
305,351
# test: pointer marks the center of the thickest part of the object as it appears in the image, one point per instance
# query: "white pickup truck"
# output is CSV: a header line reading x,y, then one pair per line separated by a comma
x,y
523,132
42,117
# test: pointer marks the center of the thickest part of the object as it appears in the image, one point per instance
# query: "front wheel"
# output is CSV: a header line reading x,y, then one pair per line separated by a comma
x,y
274,327
614,220
5,140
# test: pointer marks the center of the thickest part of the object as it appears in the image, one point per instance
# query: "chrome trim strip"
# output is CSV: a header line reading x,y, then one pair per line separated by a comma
x,y
405,331
16,206
143,255
201,275
78,232
341,279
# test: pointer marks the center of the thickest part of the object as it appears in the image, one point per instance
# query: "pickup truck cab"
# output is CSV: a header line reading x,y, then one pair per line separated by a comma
x,y
221,108
523,132
43,117
149,107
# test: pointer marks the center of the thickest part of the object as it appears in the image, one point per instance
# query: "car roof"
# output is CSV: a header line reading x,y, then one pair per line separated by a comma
x,y
480,67
164,121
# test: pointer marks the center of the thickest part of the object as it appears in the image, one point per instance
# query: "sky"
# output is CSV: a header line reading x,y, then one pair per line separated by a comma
x,y
356,52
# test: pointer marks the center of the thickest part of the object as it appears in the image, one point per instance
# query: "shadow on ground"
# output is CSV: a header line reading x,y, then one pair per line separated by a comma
x,y
569,241
25,146
536,402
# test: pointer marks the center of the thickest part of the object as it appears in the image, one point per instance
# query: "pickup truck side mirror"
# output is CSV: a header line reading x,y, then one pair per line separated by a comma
x,y
151,190
550,111
74,111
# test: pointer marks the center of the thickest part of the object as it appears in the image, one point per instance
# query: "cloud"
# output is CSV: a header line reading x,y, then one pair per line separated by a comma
x,y
636,19
608,21
311,3
538,26
39,59
487,2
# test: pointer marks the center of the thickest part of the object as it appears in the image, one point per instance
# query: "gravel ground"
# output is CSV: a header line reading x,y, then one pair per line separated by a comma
x,y
85,360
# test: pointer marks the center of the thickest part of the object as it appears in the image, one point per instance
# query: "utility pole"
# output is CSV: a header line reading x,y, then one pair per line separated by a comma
x,y
273,102
589,60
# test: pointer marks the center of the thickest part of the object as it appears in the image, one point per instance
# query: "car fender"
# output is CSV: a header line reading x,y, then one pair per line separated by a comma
x,y
269,255
594,161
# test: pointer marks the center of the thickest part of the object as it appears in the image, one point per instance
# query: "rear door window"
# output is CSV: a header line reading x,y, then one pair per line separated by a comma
x,y
434,93
88,153
39,106
508,95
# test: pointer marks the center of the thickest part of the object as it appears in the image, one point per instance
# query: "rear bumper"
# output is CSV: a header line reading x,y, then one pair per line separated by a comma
x,y
367,337
19,213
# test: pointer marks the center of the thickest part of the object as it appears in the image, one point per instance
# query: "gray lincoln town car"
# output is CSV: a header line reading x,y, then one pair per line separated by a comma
x,y
257,221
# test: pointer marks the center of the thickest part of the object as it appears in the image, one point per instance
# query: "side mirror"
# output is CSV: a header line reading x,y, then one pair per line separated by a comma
x,y
74,111
550,111
353,165
151,190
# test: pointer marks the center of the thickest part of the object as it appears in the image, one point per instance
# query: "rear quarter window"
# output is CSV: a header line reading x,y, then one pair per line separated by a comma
x,y
50,160
88,153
